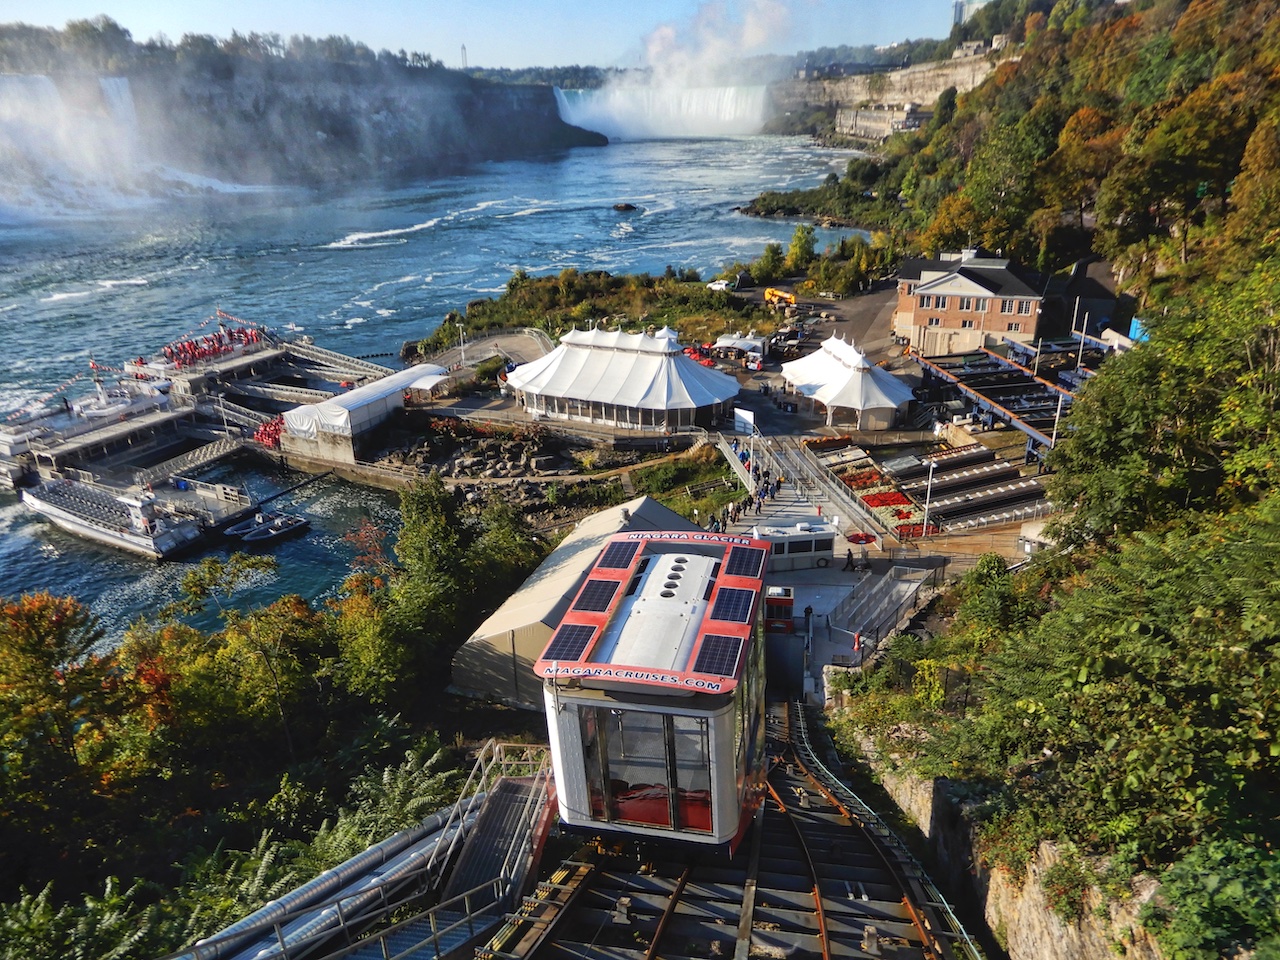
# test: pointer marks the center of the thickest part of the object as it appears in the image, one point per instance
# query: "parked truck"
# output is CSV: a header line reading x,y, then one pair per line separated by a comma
x,y
779,298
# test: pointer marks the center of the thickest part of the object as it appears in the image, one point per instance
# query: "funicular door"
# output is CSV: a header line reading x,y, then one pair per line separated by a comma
x,y
648,769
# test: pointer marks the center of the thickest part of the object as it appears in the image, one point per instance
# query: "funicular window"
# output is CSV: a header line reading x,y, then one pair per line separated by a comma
x,y
693,773
592,751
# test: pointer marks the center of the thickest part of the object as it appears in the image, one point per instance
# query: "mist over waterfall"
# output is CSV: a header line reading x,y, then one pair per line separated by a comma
x,y
68,148
641,112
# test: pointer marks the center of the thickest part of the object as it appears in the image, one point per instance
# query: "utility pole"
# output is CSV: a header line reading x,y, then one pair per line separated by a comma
x,y
928,495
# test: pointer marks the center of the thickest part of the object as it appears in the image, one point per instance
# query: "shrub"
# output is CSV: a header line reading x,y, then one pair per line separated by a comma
x,y
1065,885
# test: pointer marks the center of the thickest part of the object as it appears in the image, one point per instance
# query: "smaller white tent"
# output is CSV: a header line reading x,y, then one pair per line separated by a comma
x,y
838,375
746,343
349,414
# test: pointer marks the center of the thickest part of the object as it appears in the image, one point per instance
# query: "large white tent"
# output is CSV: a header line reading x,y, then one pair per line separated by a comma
x,y
349,414
839,375
622,379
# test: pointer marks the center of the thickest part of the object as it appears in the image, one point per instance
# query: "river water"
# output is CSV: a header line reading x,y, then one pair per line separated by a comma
x,y
361,272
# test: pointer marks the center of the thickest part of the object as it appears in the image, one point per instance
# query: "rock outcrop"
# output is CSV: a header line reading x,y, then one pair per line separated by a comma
x,y
872,106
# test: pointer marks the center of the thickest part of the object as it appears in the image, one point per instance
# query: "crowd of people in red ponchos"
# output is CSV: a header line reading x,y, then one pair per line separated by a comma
x,y
268,434
187,353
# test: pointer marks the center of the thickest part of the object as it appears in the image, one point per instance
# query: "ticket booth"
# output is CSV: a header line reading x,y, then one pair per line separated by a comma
x,y
779,608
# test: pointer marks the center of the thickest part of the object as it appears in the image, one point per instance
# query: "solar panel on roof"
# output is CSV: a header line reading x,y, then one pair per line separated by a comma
x,y
569,642
718,655
733,605
744,562
618,556
596,596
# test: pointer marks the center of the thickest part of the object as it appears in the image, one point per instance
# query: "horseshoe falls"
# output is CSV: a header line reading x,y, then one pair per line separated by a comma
x,y
642,112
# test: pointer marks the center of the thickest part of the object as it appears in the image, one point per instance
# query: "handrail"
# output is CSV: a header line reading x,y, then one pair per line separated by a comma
x,y
334,359
805,460
510,876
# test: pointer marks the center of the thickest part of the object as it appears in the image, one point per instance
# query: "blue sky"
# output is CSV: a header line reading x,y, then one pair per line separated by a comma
x,y
518,33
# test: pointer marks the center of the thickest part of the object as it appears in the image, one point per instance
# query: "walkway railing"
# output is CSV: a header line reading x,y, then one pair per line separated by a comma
x,y
294,926
874,613
803,465
337,360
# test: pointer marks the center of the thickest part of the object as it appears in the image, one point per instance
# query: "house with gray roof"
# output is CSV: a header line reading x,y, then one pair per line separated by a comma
x,y
966,300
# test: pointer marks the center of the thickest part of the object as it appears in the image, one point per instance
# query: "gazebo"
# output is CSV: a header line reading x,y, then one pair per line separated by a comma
x,y
838,375
630,380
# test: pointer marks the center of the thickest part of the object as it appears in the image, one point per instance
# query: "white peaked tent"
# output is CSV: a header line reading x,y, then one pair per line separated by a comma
x,y
838,375
623,379
349,414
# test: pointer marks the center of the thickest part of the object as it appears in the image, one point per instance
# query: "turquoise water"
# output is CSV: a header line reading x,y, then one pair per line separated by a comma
x,y
361,272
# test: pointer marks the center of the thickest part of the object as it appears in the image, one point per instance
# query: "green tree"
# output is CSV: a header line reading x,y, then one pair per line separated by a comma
x,y
770,266
801,252
1251,227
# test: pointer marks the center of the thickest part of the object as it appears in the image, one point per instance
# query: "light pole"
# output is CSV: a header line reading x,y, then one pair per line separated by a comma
x,y
928,495
462,346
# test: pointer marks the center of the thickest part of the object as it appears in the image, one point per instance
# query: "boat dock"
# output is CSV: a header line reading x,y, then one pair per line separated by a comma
x,y
146,438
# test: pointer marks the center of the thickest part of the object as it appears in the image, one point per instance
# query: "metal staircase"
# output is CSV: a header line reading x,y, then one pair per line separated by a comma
x,y
325,918
339,361
496,857
189,462
234,413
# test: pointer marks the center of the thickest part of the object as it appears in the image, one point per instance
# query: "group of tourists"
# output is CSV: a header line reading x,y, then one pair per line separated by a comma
x,y
268,434
188,353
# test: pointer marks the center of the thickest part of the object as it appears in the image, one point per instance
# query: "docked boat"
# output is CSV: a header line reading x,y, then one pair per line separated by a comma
x,y
125,399
260,519
285,525
125,521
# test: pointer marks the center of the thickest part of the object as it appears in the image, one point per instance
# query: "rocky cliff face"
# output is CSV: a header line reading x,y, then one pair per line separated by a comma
x,y
1017,913
920,84
265,126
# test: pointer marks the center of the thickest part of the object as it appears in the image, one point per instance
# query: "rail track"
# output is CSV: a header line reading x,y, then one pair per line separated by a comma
x,y
818,876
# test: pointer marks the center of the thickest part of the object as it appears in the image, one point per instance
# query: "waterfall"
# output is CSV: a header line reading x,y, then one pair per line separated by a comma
x,y
67,148
636,112
120,108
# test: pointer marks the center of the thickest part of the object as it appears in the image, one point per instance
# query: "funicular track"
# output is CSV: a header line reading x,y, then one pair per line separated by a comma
x,y
817,876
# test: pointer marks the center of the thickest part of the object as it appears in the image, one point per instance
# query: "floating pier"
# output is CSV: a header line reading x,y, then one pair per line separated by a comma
x,y
145,438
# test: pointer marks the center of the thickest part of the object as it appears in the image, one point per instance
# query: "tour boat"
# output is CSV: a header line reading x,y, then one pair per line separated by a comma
x,y
125,521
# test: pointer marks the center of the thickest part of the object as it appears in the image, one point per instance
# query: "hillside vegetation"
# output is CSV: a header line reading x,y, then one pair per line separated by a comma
x,y
1120,695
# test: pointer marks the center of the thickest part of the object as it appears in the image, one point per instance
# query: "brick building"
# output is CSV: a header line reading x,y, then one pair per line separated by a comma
x,y
966,300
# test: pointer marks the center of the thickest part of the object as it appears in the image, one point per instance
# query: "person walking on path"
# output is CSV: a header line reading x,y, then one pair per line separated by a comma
x,y
848,561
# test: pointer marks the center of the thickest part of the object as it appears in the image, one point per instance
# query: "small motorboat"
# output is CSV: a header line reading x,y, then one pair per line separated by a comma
x,y
284,525
260,519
